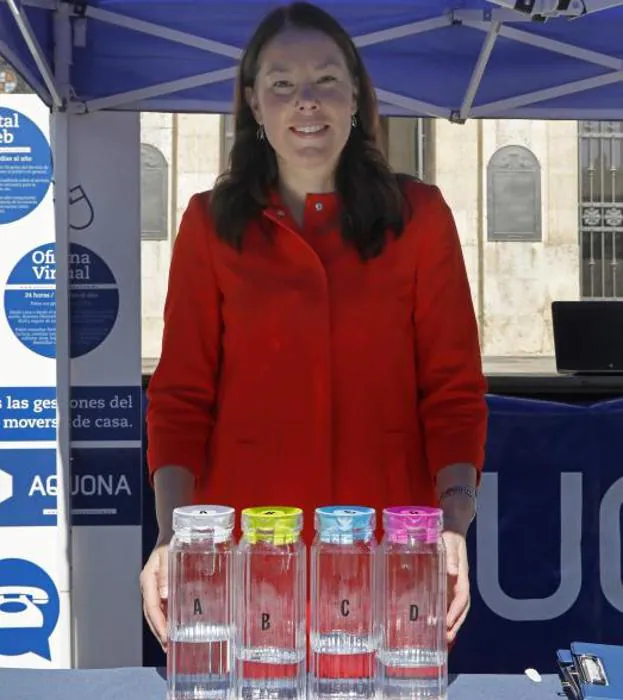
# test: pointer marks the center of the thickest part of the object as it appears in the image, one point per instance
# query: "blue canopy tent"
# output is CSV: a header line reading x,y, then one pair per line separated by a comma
x,y
452,59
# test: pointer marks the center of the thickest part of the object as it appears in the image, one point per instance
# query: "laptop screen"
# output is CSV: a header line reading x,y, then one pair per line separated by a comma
x,y
588,336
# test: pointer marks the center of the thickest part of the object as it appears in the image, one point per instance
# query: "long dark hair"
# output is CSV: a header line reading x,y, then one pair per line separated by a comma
x,y
370,194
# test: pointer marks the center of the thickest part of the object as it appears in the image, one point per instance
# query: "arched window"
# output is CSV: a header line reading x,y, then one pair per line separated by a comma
x,y
514,195
154,194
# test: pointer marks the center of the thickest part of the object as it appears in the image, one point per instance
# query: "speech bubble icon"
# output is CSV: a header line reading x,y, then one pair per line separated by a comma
x,y
29,609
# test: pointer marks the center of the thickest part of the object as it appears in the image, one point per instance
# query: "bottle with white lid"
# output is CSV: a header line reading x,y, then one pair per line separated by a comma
x,y
343,631
200,604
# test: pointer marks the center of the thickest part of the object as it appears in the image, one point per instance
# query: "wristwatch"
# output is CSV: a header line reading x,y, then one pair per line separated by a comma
x,y
468,491
465,490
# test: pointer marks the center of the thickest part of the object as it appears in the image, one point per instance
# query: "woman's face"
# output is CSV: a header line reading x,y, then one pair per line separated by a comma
x,y
305,98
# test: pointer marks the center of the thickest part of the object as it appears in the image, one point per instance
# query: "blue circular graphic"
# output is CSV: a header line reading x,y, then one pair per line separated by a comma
x,y
25,165
29,609
30,300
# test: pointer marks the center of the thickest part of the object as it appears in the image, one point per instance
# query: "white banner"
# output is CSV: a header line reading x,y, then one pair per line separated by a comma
x,y
105,282
104,269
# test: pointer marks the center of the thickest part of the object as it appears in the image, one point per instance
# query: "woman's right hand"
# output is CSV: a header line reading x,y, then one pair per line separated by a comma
x,y
154,589
173,486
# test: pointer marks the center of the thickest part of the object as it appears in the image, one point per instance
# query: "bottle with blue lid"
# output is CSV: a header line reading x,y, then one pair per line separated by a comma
x,y
200,613
343,636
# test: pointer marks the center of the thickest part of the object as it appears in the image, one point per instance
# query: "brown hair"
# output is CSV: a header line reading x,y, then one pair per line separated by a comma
x,y
370,194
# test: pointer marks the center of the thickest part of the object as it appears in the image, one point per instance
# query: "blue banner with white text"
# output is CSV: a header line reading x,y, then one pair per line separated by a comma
x,y
545,549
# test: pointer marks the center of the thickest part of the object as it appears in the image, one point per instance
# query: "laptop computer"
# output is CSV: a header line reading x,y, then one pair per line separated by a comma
x,y
588,336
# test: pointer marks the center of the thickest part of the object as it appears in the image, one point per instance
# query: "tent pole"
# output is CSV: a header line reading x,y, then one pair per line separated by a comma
x,y
403,30
479,70
530,98
61,136
40,4
543,42
121,99
221,49
415,107
157,30
33,46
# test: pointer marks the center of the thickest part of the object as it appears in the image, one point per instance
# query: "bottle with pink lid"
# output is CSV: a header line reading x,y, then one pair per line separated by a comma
x,y
412,657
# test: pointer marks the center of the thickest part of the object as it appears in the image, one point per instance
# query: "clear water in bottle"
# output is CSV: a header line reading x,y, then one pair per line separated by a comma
x,y
342,635
271,605
200,604
413,655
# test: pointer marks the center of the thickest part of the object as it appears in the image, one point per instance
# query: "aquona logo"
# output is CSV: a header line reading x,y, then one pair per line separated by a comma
x,y
84,485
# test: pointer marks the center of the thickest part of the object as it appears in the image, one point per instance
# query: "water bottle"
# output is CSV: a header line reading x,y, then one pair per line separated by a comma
x,y
271,577
342,635
413,653
200,604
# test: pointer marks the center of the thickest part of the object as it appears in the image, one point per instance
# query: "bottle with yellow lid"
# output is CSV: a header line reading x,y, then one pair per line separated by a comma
x,y
271,605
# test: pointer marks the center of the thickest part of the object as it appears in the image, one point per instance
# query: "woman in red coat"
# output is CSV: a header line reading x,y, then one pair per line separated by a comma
x,y
320,344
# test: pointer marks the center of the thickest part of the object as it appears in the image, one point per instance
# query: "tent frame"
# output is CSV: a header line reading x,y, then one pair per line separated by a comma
x,y
490,22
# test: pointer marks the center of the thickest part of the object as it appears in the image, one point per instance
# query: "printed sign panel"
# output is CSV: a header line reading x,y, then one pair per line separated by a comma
x,y
34,612
105,487
27,414
34,625
25,161
106,415
105,410
27,488
29,609
27,227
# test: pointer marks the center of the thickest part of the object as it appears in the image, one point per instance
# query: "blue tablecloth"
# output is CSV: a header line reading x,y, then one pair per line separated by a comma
x,y
149,684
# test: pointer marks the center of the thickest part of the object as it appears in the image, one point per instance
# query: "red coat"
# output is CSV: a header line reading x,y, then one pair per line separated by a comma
x,y
295,374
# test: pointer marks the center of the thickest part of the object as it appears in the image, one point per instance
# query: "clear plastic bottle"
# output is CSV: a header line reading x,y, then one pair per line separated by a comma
x,y
343,636
413,652
200,604
271,578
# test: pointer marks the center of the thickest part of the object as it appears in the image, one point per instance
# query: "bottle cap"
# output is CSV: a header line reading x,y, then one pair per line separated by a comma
x,y
345,522
278,524
218,519
421,523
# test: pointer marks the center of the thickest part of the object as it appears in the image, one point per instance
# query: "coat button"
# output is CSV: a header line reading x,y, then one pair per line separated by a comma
x,y
318,206
280,213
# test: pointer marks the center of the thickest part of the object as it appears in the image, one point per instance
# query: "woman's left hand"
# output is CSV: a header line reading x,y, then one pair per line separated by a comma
x,y
458,582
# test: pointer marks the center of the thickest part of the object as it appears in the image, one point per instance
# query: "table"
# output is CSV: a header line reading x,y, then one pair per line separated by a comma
x,y
149,684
